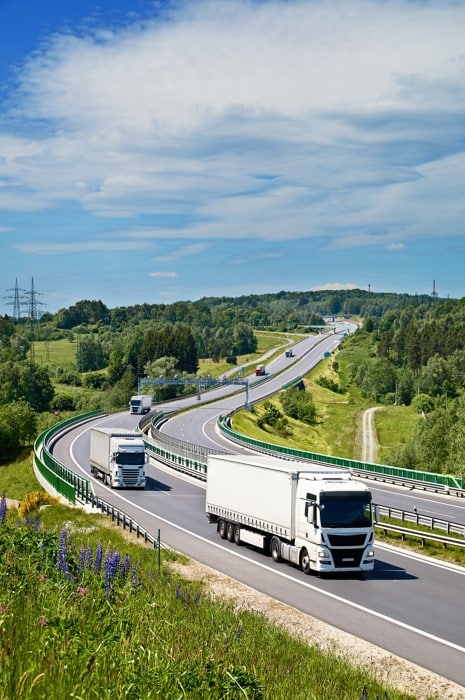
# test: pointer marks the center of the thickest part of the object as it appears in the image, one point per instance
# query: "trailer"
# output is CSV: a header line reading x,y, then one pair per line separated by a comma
x,y
140,404
117,456
315,517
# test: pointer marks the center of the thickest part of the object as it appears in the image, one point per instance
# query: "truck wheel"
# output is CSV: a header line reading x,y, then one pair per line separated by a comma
x,y
305,562
230,532
223,529
237,534
275,549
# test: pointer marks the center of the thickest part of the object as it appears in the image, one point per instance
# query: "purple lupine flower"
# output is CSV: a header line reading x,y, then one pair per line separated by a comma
x,y
85,559
107,570
126,568
135,581
37,523
178,591
98,558
2,508
239,632
197,597
62,555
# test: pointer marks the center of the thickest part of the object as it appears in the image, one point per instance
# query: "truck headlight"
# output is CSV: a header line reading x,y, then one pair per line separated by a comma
x,y
370,553
323,554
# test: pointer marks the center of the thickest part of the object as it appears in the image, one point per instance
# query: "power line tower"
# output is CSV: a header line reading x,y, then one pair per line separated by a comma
x,y
33,313
16,303
434,293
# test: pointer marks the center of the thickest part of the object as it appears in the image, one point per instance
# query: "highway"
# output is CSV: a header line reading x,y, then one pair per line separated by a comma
x,y
409,605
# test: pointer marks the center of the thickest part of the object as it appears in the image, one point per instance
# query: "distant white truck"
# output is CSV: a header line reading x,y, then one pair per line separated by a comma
x,y
142,403
117,456
314,517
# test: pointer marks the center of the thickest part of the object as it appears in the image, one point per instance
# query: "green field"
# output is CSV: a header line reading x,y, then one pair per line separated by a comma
x,y
56,353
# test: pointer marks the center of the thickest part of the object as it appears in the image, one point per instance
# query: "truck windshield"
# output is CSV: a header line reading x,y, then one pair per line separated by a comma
x,y
135,459
345,509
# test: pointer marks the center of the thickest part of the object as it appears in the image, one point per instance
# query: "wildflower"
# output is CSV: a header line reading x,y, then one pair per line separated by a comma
x,y
126,567
82,591
43,620
114,563
3,608
41,578
197,597
135,580
178,591
98,558
2,508
239,632
85,558
62,556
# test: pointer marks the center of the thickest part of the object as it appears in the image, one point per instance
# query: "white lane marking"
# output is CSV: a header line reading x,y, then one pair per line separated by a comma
x,y
287,577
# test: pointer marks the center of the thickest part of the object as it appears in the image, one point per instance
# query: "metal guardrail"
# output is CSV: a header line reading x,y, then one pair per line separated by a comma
x,y
420,534
423,520
123,520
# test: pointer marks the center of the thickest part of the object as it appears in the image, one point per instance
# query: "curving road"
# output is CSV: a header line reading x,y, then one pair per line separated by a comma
x,y
409,605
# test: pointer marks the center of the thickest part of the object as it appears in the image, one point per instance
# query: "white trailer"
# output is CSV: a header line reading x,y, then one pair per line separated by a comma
x,y
141,403
117,456
317,518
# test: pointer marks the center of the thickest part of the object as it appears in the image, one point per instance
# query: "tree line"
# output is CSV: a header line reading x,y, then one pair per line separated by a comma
x,y
115,347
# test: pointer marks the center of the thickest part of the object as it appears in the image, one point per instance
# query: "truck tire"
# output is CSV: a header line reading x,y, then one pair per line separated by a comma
x,y
275,549
230,532
237,534
305,562
223,529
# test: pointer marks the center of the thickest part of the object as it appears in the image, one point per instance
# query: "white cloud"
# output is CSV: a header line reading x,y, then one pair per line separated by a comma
x,y
184,252
163,274
79,246
273,120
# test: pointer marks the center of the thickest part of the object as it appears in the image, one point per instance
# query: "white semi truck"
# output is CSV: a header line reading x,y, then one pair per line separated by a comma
x,y
141,403
117,456
315,517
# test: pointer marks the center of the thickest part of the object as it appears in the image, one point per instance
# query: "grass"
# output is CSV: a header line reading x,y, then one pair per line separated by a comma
x,y
455,555
394,426
55,353
124,629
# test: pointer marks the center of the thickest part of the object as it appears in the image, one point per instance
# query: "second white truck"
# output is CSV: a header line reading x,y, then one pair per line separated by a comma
x,y
315,517
140,404
117,456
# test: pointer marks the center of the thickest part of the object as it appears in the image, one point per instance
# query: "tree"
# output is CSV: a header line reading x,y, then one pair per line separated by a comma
x,y
91,355
18,427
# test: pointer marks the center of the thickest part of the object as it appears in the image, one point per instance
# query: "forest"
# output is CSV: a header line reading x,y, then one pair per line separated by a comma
x,y
415,357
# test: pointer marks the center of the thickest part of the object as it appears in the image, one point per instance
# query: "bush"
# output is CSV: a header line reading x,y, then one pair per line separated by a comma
x,y
299,405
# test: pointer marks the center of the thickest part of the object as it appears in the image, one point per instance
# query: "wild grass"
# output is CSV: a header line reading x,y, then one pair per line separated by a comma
x,y
85,613
394,426
55,353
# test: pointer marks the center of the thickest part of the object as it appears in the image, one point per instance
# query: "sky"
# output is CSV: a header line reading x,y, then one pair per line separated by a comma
x,y
152,152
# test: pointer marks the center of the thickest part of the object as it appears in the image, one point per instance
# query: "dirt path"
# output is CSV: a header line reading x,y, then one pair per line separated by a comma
x,y
370,443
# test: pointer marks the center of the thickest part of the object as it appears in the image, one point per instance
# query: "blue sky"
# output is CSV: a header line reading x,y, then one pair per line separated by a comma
x,y
164,151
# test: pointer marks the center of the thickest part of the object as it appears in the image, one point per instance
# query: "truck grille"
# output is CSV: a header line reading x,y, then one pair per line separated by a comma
x,y
357,540
130,476
346,558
